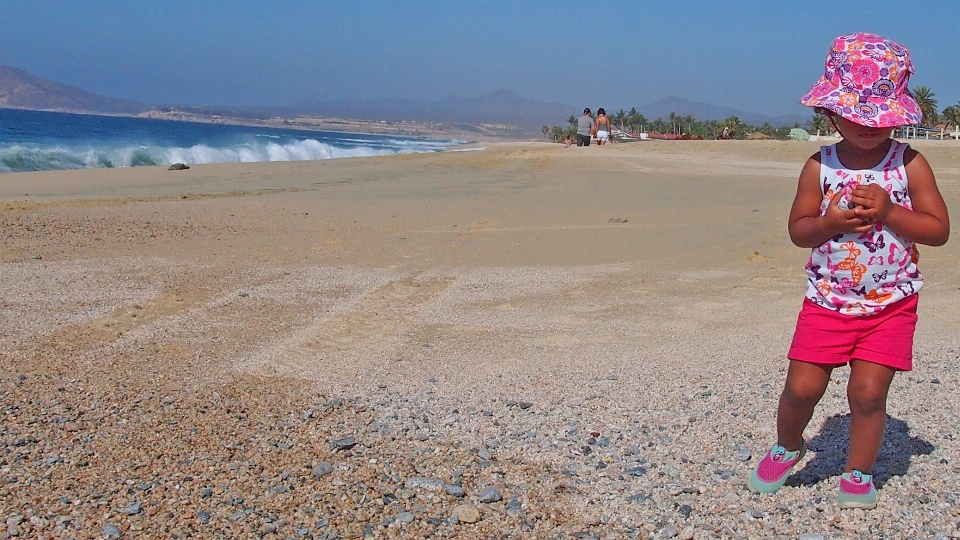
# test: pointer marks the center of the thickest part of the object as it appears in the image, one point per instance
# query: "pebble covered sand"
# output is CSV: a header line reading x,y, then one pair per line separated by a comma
x,y
233,367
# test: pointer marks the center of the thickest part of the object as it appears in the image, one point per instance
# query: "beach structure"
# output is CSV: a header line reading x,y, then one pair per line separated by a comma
x,y
798,134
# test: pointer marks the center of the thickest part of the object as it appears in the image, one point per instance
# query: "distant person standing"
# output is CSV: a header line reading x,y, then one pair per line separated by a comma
x,y
603,127
585,127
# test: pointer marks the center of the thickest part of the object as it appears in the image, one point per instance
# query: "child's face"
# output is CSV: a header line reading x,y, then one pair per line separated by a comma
x,y
863,137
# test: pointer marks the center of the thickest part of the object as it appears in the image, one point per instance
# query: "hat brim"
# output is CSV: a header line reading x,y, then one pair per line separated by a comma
x,y
873,111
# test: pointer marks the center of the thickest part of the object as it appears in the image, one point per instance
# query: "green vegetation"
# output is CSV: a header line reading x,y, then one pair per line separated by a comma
x,y
634,122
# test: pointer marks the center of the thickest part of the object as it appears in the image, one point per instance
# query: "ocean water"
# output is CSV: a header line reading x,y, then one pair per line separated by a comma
x,y
42,141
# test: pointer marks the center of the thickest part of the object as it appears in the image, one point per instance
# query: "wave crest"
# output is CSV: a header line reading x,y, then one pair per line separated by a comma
x,y
22,158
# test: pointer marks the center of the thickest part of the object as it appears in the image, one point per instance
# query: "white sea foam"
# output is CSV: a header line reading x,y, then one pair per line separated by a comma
x,y
25,158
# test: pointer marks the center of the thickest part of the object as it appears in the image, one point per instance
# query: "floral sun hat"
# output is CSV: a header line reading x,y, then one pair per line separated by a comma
x,y
865,81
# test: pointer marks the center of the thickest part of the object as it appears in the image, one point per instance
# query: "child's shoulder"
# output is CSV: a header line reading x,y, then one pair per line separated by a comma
x,y
816,157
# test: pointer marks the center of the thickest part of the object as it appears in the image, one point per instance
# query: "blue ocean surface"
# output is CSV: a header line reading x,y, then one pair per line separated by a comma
x,y
43,141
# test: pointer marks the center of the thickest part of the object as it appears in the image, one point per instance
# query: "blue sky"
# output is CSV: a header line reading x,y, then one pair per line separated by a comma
x,y
756,56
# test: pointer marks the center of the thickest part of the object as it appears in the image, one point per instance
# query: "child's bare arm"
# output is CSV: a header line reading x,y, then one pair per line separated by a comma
x,y
807,227
928,223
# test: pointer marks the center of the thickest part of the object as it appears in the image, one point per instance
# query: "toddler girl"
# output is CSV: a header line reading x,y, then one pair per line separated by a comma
x,y
861,204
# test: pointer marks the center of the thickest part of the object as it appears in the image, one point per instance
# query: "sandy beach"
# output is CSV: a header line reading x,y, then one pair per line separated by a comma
x,y
525,341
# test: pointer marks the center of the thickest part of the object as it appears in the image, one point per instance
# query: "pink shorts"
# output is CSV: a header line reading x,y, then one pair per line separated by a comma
x,y
824,336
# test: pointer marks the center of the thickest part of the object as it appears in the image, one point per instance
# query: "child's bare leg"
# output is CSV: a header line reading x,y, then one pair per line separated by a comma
x,y
867,395
805,385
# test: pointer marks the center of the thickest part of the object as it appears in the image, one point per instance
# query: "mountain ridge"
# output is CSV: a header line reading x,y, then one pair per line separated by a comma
x,y
22,90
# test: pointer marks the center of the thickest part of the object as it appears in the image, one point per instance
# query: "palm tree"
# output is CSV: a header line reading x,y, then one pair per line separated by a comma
x,y
619,118
733,123
572,122
819,123
635,119
545,131
673,122
928,105
951,114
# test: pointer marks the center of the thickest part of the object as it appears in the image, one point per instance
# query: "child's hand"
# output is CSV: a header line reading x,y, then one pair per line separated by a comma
x,y
873,203
845,221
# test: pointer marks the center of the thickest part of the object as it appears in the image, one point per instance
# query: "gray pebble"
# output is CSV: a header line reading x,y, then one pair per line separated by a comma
x,y
203,517
454,490
743,454
635,471
755,514
490,495
206,493
322,469
345,443
810,536
513,508
484,453
405,517
111,531
432,484
685,509
670,531
133,509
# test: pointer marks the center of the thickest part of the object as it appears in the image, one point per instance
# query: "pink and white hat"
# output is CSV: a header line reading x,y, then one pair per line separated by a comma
x,y
865,81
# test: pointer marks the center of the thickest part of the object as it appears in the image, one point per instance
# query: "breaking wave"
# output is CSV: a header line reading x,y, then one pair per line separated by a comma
x,y
21,158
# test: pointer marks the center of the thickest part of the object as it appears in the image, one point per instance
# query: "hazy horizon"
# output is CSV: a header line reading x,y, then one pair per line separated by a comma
x,y
751,56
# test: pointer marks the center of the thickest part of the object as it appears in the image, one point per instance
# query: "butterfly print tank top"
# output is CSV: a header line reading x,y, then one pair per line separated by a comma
x,y
860,274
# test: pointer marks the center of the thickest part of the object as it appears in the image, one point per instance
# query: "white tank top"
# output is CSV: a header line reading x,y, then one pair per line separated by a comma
x,y
860,274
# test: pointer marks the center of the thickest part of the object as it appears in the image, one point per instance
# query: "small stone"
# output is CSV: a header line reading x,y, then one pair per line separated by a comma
x,y
514,508
466,513
244,294
322,469
111,531
525,404
404,517
670,531
756,514
431,484
203,517
810,536
454,490
484,453
743,454
133,509
687,533
490,495
635,471
206,493
345,443
685,509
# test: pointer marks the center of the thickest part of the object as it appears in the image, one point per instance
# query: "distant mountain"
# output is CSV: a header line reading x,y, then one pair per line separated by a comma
x,y
705,111
499,107
21,90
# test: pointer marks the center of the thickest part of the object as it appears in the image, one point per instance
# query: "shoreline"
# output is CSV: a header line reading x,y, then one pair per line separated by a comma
x,y
336,125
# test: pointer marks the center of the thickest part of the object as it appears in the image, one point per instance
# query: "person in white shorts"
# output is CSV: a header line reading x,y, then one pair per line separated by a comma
x,y
603,126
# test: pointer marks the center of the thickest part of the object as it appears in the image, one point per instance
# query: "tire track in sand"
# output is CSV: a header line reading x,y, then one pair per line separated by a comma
x,y
354,341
